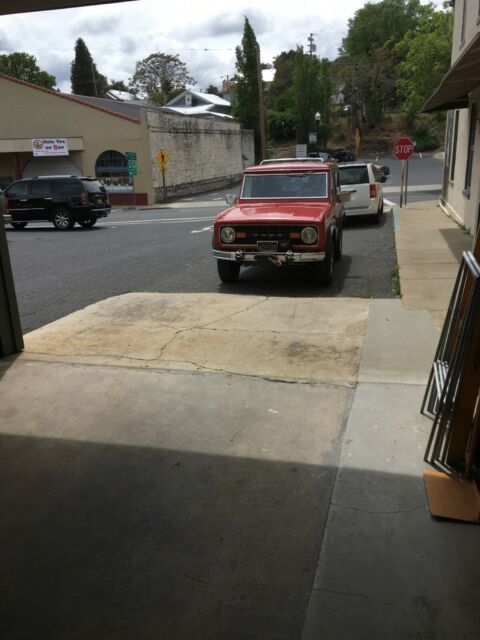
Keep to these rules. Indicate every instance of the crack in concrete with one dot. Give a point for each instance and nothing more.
(347, 507)
(199, 368)
(364, 595)
(203, 326)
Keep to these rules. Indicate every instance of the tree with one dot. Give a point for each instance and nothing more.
(213, 90)
(313, 92)
(24, 67)
(117, 85)
(426, 58)
(84, 75)
(246, 109)
(160, 77)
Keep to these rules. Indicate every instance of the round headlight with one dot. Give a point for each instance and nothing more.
(227, 235)
(309, 235)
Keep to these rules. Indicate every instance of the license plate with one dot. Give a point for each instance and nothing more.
(267, 245)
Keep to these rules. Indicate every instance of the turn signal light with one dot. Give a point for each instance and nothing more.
(294, 235)
(240, 234)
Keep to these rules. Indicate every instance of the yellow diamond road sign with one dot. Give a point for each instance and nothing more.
(162, 157)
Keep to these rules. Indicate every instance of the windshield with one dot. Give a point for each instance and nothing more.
(285, 185)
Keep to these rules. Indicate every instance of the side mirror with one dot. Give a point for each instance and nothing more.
(231, 198)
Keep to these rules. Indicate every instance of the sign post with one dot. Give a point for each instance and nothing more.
(402, 150)
(162, 159)
(131, 157)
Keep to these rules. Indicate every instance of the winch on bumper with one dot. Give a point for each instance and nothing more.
(278, 258)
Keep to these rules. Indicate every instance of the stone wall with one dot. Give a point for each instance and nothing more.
(203, 153)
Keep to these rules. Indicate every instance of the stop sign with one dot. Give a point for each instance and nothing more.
(403, 148)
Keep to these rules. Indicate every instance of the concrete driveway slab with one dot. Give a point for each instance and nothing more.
(289, 339)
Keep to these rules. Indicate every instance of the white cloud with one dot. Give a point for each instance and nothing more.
(204, 36)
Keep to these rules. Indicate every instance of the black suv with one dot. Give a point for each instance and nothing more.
(62, 200)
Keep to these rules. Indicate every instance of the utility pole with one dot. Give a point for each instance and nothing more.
(94, 80)
(312, 47)
(261, 107)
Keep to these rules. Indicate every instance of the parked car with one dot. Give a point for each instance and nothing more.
(4, 207)
(365, 186)
(286, 214)
(62, 200)
(342, 155)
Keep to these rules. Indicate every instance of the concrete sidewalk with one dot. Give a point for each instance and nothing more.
(386, 568)
(241, 467)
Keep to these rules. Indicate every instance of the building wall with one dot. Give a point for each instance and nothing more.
(203, 153)
(464, 206)
(27, 113)
(472, 26)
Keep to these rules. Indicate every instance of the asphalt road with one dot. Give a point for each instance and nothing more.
(169, 250)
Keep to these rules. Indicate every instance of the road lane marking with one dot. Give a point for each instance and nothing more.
(202, 230)
(158, 221)
(389, 203)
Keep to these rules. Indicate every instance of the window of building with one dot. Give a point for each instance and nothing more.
(111, 168)
(454, 148)
(471, 148)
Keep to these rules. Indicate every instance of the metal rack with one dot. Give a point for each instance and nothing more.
(452, 359)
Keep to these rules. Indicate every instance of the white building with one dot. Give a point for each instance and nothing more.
(459, 93)
(194, 103)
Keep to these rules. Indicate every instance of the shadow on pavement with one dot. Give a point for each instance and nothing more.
(105, 541)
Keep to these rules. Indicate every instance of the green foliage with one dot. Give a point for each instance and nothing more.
(118, 85)
(246, 109)
(24, 67)
(213, 90)
(84, 75)
(160, 77)
(382, 24)
(425, 140)
(312, 89)
(425, 55)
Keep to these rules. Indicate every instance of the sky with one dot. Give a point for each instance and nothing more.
(203, 34)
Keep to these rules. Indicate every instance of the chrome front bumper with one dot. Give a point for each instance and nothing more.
(277, 258)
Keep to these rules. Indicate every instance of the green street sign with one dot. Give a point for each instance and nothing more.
(130, 155)
(132, 168)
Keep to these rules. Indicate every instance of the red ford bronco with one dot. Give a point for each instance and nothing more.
(288, 214)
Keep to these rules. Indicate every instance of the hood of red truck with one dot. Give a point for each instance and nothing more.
(270, 212)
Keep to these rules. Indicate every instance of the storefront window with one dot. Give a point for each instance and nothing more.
(111, 169)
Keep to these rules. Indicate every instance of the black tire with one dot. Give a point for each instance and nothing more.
(86, 224)
(376, 216)
(228, 271)
(19, 225)
(337, 255)
(323, 271)
(63, 219)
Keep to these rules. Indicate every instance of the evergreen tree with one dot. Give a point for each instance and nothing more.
(84, 76)
(246, 100)
(118, 85)
(213, 90)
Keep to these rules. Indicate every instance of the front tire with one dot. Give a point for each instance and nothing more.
(87, 224)
(338, 246)
(63, 219)
(19, 225)
(323, 271)
(228, 271)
